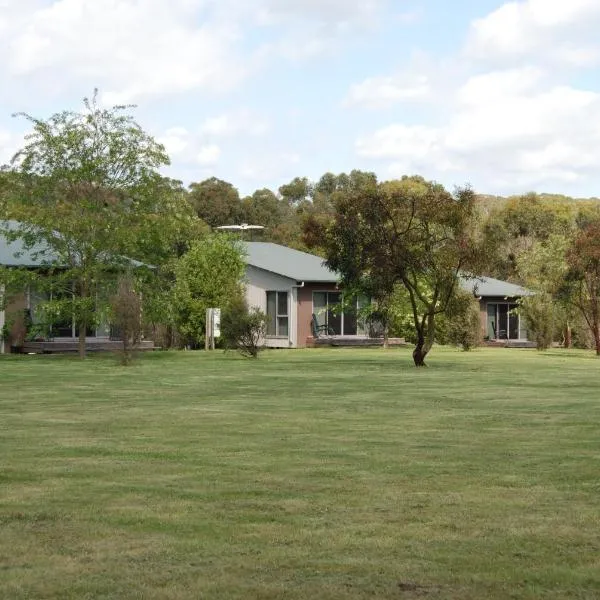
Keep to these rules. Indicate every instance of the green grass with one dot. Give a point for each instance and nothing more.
(307, 474)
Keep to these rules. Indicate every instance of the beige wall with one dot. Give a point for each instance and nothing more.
(258, 283)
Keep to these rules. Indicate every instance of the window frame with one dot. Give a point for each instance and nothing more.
(278, 315)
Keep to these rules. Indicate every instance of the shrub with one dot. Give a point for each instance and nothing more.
(461, 323)
(540, 312)
(243, 329)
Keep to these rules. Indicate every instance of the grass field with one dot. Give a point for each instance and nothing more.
(314, 474)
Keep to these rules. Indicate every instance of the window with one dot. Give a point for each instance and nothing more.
(341, 315)
(277, 314)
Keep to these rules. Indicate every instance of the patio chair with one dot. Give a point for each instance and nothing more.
(317, 329)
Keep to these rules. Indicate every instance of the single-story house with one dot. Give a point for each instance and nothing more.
(22, 306)
(498, 301)
(290, 287)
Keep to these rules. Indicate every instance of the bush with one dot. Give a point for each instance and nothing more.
(540, 312)
(461, 323)
(243, 329)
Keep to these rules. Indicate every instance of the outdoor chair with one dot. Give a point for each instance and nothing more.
(317, 329)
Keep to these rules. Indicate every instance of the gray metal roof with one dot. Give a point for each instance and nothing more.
(487, 286)
(288, 262)
(301, 266)
(14, 253)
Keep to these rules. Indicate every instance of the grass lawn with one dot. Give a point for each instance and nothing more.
(313, 474)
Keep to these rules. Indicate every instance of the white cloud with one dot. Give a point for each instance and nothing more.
(176, 140)
(242, 122)
(385, 91)
(10, 143)
(510, 127)
(543, 27)
(337, 12)
(208, 156)
(132, 49)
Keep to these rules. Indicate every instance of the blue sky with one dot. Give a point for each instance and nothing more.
(502, 95)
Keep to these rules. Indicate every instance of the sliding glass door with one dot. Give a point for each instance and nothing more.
(504, 323)
(340, 315)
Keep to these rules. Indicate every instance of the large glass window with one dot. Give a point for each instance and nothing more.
(341, 315)
(504, 322)
(277, 314)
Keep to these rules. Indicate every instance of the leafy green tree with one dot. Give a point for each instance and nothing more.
(410, 232)
(583, 277)
(209, 275)
(264, 208)
(517, 224)
(216, 202)
(297, 192)
(84, 182)
(543, 269)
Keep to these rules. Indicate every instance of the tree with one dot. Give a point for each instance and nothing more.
(126, 308)
(265, 208)
(583, 277)
(542, 268)
(216, 202)
(209, 275)
(410, 232)
(517, 224)
(297, 192)
(85, 180)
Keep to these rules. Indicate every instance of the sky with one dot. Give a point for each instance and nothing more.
(504, 96)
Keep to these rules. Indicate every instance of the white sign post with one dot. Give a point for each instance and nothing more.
(213, 327)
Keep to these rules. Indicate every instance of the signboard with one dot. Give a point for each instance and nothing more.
(216, 322)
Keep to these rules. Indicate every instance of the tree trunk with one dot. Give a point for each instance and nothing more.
(597, 337)
(419, 354)
(83, 317)
(82, 332)
(126, 348)
(386, 336)
(568, 336)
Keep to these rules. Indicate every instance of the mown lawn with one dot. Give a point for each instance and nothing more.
(314, 474)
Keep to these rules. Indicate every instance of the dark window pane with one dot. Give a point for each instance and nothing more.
(513, 323)
(334, 316)
(492, 321)
(350, 319)
(282, 329)
(271, 313)
(320, 307)
(503, 321)
(282, 303)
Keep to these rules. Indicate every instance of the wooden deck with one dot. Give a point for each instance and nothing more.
(509, 344)
(66, 347)
(351, 341)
